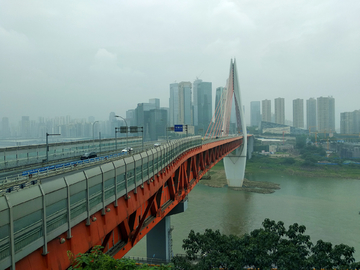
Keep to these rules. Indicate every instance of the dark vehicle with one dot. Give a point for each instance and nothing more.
(88, 155)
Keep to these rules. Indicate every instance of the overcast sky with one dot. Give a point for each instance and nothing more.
(88, 58)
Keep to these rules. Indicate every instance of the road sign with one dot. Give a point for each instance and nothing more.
(123, 129)
(178, 128)
(133, 129)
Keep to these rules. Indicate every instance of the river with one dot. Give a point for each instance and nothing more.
(328, 207)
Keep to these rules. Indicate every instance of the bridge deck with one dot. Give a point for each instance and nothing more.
(113, 205)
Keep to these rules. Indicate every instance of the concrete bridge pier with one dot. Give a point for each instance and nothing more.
(159, 239)
(234, 164)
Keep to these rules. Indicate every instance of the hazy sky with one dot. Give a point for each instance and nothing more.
(83, 58)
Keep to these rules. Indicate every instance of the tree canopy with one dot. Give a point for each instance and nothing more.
(272, 246)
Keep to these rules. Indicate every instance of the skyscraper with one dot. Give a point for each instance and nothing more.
(298, 113)
(280, 111)
(311, 114)
(202, 101)
(220, 103)
(266, 110)
(25, 126)
(185, 110)
(5, 131)
(156, 102)
(255, 116)
(174, 104)
(326, 114)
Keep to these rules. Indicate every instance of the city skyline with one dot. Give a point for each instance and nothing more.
(57, 59)
(60, 120)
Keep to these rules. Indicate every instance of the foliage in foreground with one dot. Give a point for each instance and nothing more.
(264, 248)
(96, 259)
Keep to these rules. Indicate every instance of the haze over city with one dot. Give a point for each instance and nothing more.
(87, 58)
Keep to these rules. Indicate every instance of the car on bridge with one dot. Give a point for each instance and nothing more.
(88, 155)
(127, 149)
(157, 144)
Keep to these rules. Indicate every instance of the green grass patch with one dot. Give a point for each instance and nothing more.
(299, 166)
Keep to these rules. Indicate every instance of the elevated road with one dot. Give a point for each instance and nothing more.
(113, 204)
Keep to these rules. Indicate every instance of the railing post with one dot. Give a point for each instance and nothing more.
(115, 185)
(87, 200)
(103, 192)
(45, 251)
(11, 236)
(68, 209)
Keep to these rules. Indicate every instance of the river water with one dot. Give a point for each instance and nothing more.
(328, 207)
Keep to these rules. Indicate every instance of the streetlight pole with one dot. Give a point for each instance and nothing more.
(126, 129)
(47, 145)
(117, 129)
(94, 130)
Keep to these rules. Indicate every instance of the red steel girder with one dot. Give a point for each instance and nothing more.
(137, 213)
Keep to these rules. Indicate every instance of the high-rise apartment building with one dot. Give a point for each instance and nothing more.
(346, 123)
(202, 102)
(311, 115)
(185, 108)
(255, 116)
(266, 110)
(298, 113)
(280, 111)
(350, 122)
(356, 124)
(326, 114)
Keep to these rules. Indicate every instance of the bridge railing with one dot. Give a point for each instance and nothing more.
(26, 155)
(32, 217)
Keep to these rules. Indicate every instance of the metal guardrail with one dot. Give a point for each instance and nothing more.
(32, 177)
(13, 157)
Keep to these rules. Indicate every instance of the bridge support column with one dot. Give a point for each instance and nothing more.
(234, 164)
(159, 240)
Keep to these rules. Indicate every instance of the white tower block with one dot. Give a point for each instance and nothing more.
(235, 162)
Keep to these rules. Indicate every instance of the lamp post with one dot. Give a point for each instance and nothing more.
(126, 129)
(93, 129)
(47, 145)
(117, 129)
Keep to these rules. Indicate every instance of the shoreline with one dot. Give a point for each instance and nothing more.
(216, 176)
(217, 179)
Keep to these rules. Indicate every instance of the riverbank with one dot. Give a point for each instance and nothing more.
(295, 166)
(216, 178)
(283, 166)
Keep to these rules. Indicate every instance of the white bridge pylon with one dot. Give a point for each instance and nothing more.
(235, 162)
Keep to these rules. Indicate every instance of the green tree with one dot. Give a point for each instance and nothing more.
(270, 246)
(300, 142)
(96, 259)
